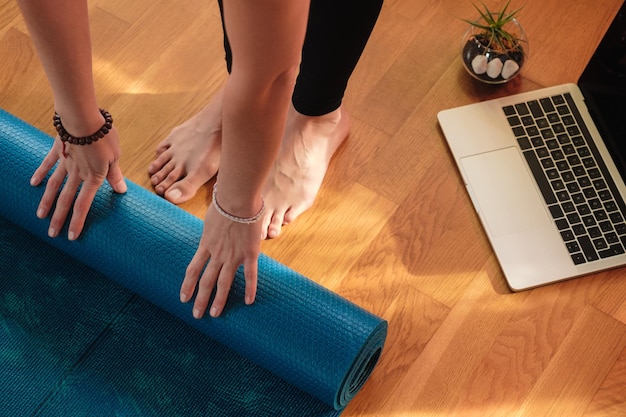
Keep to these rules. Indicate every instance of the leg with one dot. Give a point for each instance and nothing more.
(190, 155)
(337, 33)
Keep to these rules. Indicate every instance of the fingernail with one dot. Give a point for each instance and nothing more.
(52, 232)
(174, 194)
(71, 236)
(183, 297)
(213, 312)
(248, 300)
(34, 181)
(41, 213)
(196, 313)
(121, 187)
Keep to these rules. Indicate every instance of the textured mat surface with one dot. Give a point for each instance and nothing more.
(94, 327)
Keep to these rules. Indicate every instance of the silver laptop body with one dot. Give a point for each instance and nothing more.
(532, 182)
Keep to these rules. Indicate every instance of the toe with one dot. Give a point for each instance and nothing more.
(185, 188)
(181, 191)
(159, 163)
(275, 226)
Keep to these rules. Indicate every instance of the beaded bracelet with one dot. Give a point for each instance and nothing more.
(237, 219)
(85, 140)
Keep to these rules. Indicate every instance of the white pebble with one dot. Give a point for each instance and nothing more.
(494, 68)
(510, 69)
(479, 64)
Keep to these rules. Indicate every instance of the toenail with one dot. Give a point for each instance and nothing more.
(174, 194)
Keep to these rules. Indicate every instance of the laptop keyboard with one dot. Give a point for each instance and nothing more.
(575, 184)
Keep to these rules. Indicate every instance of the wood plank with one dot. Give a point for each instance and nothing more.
(580, 365)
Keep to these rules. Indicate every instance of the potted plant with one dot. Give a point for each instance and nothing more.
(495, 46)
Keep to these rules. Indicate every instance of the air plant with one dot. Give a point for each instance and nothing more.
(492, 26)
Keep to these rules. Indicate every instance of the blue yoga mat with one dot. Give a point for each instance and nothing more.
(94, 327)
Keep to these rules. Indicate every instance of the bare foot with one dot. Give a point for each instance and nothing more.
(297, 174)
(190, 155)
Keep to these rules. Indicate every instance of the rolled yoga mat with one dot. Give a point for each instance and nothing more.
(95, 328)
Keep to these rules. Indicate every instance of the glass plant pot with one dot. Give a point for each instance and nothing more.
(490, 61)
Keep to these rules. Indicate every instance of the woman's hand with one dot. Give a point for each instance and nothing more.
(228, 244)
(88, 165)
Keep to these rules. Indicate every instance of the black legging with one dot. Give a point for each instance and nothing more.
(336, 34)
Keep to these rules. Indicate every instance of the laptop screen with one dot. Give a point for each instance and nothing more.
(603, 84)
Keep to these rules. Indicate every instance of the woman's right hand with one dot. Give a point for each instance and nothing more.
(224, 246)
(83, 166)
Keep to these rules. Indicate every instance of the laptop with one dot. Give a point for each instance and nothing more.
(546, 170)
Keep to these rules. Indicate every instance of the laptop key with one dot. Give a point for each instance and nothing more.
(558, 185)
(611, 238)
(579, 230)
(610, 206)
(562, 224)
(563, 110)
(613, 250)
(524, 143)
(578, 258)
(547, 133)
(522, 109)
(552, 174)
(600, 215)
(600, 244)
(535, 108)
(553, 118)
(594, 173)
(509, 110)
(556, 211)
(558, 128)
(519, 131)
(543, 123)
(567, 235)
(514, 121)
(547, 105)
(595, 232)
(568, 207)
(572, 247)
(616, 217)
(588, 249)
(568, 176)
(542, 181)
(606, 226)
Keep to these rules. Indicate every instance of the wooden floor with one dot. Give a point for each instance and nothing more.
(393, 229)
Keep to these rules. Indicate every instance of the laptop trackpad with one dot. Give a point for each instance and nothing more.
(504, 192)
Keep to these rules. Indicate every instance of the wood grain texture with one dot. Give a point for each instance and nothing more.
(392, 229)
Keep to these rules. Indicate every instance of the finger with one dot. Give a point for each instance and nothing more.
(46, 165)
(192, 274)
(224, 283)
(64, 203)
(81, 208)
(50, 193)
(250, 270)
(116, 178)
(205, 288)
